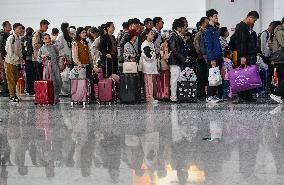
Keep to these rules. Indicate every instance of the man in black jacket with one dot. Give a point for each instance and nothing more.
(246, 48)
(3, 38)
(176, 59)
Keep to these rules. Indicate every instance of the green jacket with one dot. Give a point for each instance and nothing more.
(278, 39)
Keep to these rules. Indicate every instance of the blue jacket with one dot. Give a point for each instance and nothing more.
(211, 40)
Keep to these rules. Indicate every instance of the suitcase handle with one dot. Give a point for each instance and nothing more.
(48, 69)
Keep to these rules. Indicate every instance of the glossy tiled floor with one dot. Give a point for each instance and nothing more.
(186, 144)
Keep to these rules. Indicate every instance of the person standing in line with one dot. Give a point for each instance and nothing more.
(246, 48)
(13, 58)
(176, 59)
(108, 49)
(148, 64)
(202, 76)
(214, 53)
(3, 38)
(37, 42)
(278, 45)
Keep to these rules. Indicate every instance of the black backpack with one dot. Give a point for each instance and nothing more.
(29, 46)
(259, 41)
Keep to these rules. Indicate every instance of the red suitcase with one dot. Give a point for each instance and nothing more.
(161, 85)
(107, 91)
(44, 90)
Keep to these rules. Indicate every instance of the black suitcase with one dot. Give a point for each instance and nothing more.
(187, 91)
(130, 88)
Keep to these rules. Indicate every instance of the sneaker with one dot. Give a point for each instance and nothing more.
(173, 99)
(16, 98)
(212, 100)
(155, 102)
(276, 98)
(13, 99)
(30, 94)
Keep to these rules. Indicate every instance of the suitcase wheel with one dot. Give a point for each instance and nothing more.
(84, 105)
(72, 104)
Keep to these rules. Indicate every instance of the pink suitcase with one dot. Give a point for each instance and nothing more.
(107, 91)
(80, 91)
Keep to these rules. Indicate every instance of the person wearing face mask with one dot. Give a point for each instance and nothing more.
(246, 48)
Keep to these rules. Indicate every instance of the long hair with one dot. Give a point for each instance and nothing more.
(78, 38)
(64, 29)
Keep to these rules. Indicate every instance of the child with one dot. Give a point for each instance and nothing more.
(13, 58)
(49, 52)
(148, 64)
(226, 67)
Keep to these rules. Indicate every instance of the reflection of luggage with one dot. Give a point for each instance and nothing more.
(44, 90)
(130, 91)
(80, 91)
(187, 91)
(162, 86)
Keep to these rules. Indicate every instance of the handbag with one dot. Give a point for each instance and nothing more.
(214, 78)
(130, 67)
(243, 79)
(78, 72)
(277, 56)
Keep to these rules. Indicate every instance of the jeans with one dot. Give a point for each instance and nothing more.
(226, 88)
(175, 73)
(89, 75)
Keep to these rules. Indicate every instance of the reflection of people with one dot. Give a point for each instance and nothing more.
(3, 175)
(111, 152)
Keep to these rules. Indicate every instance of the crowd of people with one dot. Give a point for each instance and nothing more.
(96, 48)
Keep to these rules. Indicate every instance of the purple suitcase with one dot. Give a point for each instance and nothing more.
(80, 91)
(243, 79)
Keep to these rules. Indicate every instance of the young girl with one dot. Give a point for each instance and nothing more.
(49, 52)
(148, 64)
(226, 67)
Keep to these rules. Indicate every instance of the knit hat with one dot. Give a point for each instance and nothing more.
(132, 33)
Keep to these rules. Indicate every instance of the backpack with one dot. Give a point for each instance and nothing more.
(259, 41)
(3, 39)
(29, 46)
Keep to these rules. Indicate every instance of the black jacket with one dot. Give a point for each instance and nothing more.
(3, 39)
(106, 47)
(176, 47)
(245, 41)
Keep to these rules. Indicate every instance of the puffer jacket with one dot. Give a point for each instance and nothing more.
(278, 39)
(176, 45)
(211, 40)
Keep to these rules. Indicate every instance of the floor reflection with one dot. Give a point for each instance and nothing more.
(142, 145)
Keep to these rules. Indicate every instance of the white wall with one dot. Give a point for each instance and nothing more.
(278, 9)
(96, 12)
(266, 13)
(231, 13)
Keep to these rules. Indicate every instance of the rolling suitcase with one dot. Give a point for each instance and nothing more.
(161, 85)
(107, 92)
(130, 88)
(80, 91)
(187, 91)
(44, 90)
